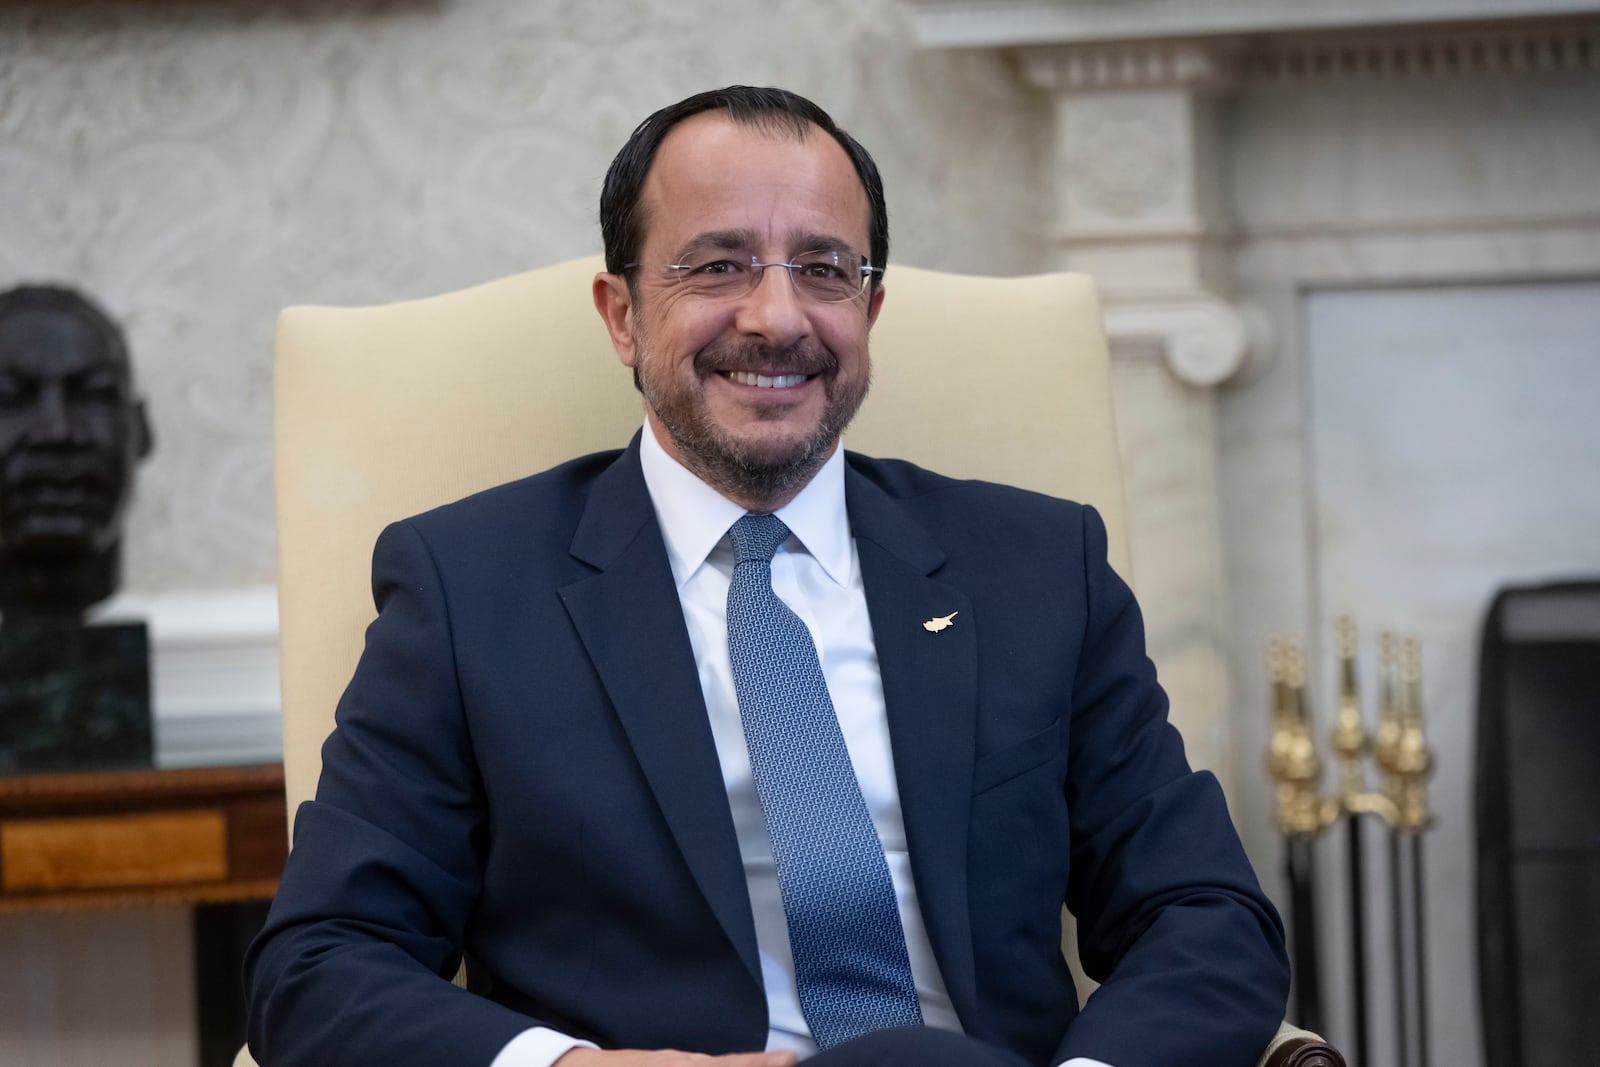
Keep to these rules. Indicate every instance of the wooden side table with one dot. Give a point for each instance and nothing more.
(214, 837)
(204, 835)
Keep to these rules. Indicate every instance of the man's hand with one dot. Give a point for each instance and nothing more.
(632, 1057)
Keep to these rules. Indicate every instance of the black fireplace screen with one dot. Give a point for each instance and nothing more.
(1539, 826)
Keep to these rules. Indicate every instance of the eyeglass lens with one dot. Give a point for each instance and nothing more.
(821, 275)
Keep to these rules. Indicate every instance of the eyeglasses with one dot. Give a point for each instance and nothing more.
(823, 275)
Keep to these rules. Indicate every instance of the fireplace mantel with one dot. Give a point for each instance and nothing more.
(1014, 23)
(1136, 183)
(1225, 169)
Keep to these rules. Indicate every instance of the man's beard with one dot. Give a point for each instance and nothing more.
(751, 471)
(59, 503)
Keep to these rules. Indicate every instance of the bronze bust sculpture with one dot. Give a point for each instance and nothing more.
(72, 697)
(71, 433)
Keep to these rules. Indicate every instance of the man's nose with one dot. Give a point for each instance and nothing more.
(52, 420)
(774, 309)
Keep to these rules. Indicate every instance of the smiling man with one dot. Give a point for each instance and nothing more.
(656, 743)
(747, 383)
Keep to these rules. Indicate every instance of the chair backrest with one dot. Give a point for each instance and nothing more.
(386, 411)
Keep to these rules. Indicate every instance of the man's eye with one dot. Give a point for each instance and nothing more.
(13, 390)
(823, 272)
(717, 267)
(98, 387)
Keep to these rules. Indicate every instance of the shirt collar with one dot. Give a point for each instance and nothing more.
(695, 518)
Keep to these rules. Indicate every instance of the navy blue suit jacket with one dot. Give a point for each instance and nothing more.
(523, 774)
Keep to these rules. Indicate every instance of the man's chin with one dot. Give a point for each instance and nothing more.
(57, 536)
(769, 453)
(763, 471)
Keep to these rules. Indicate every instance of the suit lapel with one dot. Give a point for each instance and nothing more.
(631, 623)
(930, 690)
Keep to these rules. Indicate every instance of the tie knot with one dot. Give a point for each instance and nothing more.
(756, 537)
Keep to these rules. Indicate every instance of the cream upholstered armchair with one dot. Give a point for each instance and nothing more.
(384, 412)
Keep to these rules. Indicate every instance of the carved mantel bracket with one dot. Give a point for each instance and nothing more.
(1204, 341)
(1137, 195)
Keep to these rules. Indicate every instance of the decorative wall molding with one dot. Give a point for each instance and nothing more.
(1137, 197)
(1134, 165)
(1130, 65)
(1487, 52)
(1226, 62)
(1407, 257)
(1126, 164)
(1013, 23)
(1204, 342)
(1138, 191)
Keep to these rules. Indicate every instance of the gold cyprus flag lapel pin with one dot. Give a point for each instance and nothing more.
(934, 625)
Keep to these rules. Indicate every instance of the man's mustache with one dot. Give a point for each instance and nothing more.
(752, 357)
(27, 470)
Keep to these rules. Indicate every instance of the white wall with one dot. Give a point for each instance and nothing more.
(200, 166)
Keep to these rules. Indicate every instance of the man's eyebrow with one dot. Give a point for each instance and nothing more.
(722, 240)
(819, 242)
(745, 240)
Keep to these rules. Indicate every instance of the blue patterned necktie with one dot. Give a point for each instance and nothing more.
(850, 958)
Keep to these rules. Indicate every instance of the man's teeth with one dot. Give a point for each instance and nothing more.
(762, 381)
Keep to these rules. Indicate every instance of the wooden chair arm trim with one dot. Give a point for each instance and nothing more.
(1304, 1052)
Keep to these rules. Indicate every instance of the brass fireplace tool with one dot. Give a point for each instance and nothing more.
(1404, 762)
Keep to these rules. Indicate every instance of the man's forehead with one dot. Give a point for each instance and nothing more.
(773, 182)
(51, 338)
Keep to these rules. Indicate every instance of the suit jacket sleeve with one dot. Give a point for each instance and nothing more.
(1170, 917)
(354, 964)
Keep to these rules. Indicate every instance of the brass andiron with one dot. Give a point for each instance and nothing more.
(1404, 762)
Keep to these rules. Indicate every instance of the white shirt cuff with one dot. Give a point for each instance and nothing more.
(540, 1047)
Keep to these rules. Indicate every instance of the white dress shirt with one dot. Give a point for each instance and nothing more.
(817, 574)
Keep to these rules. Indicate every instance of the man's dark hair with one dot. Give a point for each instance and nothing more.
(70, 302)
(622, 215)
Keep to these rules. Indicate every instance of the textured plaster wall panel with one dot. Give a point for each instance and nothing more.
(198, 167)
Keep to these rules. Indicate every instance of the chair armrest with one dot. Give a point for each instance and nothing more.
(1293, 1047)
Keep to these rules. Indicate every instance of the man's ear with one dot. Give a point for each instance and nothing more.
(139, 425)
(615, 304)
(874, 304)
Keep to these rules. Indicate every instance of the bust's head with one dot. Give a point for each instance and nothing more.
(71, 429)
